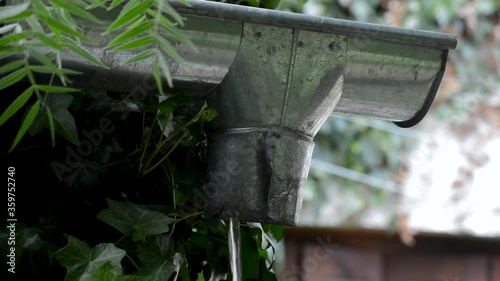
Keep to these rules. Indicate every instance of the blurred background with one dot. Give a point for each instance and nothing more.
(441, 175)
(409, 197)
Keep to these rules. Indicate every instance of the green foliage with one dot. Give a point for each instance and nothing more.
(134, 220)
(122, 195)
(17, 104)
(30, 117)
(146, 25)
(84, 263)
(56, 117)
(104, 202)
(159, 260)
(54, 24)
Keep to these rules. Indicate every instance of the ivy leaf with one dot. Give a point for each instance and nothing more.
(84, 263)
(86, 173)
(168, 105)
(107, 273)
(135, 278)
(28, 239)
(158, 260)
(134, 220)
(183, 270)
(200, 240)
(104, 152)
(63, 122)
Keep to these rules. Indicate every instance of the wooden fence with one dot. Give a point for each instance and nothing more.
(354, 255)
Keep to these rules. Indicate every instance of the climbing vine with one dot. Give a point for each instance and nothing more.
(109, 184)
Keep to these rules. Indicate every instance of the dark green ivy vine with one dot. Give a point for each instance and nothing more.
(109, 186)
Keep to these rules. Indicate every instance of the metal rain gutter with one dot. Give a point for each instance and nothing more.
(274, 78)
(290, 73)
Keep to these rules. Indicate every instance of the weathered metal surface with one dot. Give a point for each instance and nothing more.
(349, 28)
(282, 86)
(257, 174)
(274, 78)
(387, 80)
(217, 43)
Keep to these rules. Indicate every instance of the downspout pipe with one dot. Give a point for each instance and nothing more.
(274, 78)
(290, 73)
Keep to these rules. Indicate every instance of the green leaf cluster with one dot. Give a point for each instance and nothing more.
(155, 254)
(84, 263)
(36, 33)
(123, 188)
(28, 27)
(149, 27)
(130, 202)
(133, 220)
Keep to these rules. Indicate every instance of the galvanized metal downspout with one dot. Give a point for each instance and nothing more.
(274, 78)
(282, 86)
(287, 78)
